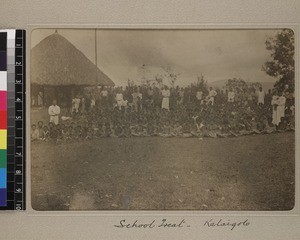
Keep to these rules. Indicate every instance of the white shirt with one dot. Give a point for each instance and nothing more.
(104, 93)
(54, 110)
(231, 96)
(76, 101)
(212, 93)
(281, 101)
(136, 95)
(261, 96)
(199, 95)
(119, 97)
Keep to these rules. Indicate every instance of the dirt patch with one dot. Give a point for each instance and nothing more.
(243, 173)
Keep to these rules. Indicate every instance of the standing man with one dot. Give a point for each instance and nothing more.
(211, 96)
(137, 97)
(180, 96)
(54, 112)
(150, 97)
(104, 97)
(93, 101)
(199, 97)
(75, 104)
(274, 104)
(281, 107)
(166, 98)
(278, 103)
(268, 98)
(120, 99)
(230, 96)
(260, 96)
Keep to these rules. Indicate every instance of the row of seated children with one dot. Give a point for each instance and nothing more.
(162, 124)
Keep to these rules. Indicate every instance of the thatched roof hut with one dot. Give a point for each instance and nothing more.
(57, 62)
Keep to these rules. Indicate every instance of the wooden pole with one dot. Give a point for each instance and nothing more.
(96, 53)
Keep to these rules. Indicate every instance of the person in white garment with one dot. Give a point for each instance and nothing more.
(120, 99)
(180, 96)
(274, 103)
(281, 107)
(137, 97)
(278, 103)
(166, 98)
(230, 96)
(54, 111)
(260, 96)
(211, 96)
(93, 101)
(199, 97)
(75, 104)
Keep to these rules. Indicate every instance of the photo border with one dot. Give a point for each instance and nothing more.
(172, 213)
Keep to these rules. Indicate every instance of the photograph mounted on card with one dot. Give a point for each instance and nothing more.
(161, 119)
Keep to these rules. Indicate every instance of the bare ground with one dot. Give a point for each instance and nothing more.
(244, 173)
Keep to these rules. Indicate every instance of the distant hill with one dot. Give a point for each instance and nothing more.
(218, 84)
(221, 83)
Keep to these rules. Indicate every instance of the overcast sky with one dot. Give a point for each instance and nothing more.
(216, 54)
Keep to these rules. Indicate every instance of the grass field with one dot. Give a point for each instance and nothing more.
(243, 173)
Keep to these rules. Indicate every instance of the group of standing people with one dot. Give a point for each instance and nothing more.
(136, 98)
(171, 112)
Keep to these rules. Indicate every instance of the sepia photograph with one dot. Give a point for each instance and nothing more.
(161, 119)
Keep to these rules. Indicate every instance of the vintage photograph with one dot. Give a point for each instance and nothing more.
(158, 119)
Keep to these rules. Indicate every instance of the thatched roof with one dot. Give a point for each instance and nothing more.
(56, 62)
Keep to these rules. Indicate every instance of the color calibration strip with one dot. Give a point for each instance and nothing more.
(12, 130)
(3, 119)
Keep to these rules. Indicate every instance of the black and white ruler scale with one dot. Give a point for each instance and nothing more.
(15, 77)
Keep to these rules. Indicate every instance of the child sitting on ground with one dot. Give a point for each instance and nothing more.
(111, 130)
(77, 132)
(34, 133)
(40, 129)
(186, 130)
(104, 130)
(53, 135)
(46, 133)
(118, 130)
(225, 131)
(269, 127)
(59, 132)
(196, 128)
(166, 130)
(254, 125)
(69, 133)
(126, 130)
(177, 130)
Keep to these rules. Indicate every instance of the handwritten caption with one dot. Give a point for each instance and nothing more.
(182, 223)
